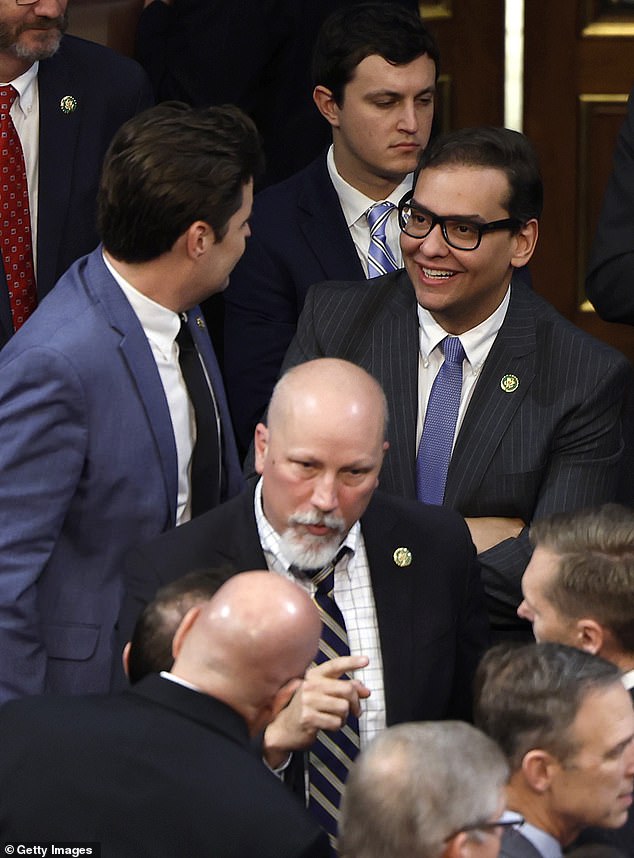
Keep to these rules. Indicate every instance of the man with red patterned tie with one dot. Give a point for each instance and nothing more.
(61, 101)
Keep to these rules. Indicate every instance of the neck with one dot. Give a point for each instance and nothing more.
(373, 186)
(156, 279)
(534, 808)
(12, 66)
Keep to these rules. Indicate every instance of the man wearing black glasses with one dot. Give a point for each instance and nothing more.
(499, 407)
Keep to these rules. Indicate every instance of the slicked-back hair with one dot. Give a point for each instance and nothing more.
(595, 572)
(416, 785)
(151, 642)
(353, 33)
(527, 697)
(169, 167)
(499, 148)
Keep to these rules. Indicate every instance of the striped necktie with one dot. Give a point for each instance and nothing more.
(332, 753)
(436, 442)
(380, 257)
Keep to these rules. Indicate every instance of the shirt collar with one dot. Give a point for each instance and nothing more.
(160, 324)
(476, 342)
(628, 679)
(25, 86)
(270, 539)
(353, 203)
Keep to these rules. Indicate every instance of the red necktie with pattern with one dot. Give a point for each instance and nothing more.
(15, 220)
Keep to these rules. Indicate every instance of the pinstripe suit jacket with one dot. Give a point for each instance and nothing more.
(553, 444)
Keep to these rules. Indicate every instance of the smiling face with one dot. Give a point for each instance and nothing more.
(30, 33)
(319, 459)
(462, 288)
(383, 122)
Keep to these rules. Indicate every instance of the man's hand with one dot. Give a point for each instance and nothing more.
(322, 702)
(490, 530)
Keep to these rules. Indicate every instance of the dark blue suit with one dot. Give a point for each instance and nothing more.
(108, 90)
(299, 237)
(87, 469)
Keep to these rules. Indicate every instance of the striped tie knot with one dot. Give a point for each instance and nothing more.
(380, 258)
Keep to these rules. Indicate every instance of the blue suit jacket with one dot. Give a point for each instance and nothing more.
(108, 89)
(555, 443)
(299, 237)
(87, 469)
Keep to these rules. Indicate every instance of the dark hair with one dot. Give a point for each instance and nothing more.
(500, 148)
(169, 167)
(528, 696)
(595, 572)
(151, 642)
(353, 33)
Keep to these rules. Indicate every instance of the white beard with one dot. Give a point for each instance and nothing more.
(307, 550)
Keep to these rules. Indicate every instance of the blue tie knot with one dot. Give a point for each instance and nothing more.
(453, 350)
(377, 217)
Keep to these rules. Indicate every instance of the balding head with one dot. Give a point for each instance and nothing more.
(250, 644)
(320, 455)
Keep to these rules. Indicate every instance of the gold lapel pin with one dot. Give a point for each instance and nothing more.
(200, 321)
(509, 383)
(402, 557)
(68, 104)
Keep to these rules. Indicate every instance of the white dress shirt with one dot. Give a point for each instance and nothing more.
(477, 344)
(355, 206)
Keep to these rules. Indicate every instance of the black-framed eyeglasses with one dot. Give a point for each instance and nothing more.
(509, 820)
(459, 233)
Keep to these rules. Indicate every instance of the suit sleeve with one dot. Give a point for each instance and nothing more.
(260, 320)
(43, 442)
(585, 459)
(610, 281)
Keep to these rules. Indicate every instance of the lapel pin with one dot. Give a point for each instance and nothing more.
(402, 557)
(200, 321)
(509, 383)
(68, 104)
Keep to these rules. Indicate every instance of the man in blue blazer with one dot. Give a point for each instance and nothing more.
(84, 93)
(538, 422)
(375, 70)
(101, 428)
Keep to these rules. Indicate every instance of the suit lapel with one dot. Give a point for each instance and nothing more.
(492, 407)
(138, 357)
(393, 589)
(59, 132)
(233, 481)
(324, 227)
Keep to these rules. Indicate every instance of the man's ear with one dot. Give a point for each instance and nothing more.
(260, 446)
(525, 243)
(184, 626)
(460, 846)
(537, 767)
(198, 238)
(326, 105)
(590, 636)
(125, 658)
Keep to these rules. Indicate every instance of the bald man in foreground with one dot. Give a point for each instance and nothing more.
(166, 769)
(405, 578)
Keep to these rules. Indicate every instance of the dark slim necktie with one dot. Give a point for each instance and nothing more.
(332, 753)
(380, 257)
(15, 220)
(436, 443)
(205, 467)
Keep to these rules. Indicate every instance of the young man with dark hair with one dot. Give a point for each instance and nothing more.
(113, 420)
(499, 407)
(375, 71)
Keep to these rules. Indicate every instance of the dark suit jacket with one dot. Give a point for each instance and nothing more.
(87, 469)
(611, 271)
(108, 89)
(515, 845)
(299, 237)
(432, 623)
(553, 444)
(159, 770)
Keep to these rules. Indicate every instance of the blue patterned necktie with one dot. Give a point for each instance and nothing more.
(436, 443)
(380, 257)
(332, 754)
